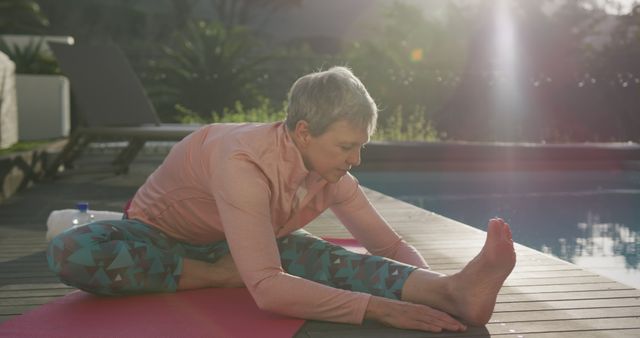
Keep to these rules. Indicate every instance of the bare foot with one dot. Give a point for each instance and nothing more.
(476, 287)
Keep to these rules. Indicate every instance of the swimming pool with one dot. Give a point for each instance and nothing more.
(590, 218)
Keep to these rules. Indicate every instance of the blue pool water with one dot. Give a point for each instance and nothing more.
(590, 218)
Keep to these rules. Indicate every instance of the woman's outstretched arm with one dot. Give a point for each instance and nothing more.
(367, 226)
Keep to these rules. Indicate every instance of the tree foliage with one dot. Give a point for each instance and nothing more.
(207, 68)
(242, 12)
(22, 16)
(411, 64)
(618, 63)
(187, 56)
(568, 82)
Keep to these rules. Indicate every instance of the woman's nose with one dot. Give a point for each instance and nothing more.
(354, 158)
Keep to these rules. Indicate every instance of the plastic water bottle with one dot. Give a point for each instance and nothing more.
(82, 215)
(61, 220)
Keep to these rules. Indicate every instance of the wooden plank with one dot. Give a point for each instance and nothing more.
(556, 267)
(557, 281)
(15, 310)
(529, 260)
(25, 274)
(29, 263)
(564, 288)
(471, 252)
(4, 259)
(34, 293)
(22, 301)
(528, 275)
(610, 333)
(29, 280)
(443, 264)
(551, 296)
(457, 264)
(26, 251)
(611, 312)
(517, 275)
(34, 286)
(525, 328)
(567, 304)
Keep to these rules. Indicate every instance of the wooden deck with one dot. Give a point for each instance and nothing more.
(543, 297)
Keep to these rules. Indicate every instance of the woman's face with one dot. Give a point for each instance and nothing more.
(334, 152)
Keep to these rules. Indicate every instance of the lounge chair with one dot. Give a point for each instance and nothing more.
(110, 103)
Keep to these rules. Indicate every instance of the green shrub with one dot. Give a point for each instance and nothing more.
(263, 112)
(206, 68)
(406, 126)
(30, 59)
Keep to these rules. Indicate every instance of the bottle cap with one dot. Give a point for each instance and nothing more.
(82, 206)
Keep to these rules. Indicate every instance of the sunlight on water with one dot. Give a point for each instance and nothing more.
(610, 249)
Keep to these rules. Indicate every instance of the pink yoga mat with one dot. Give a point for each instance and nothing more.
(198, 313)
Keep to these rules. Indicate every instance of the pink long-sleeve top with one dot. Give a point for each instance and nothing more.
(247, 184)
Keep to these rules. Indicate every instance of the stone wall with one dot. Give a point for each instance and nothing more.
(8, 103)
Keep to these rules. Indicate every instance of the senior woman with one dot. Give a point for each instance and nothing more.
(226, 208)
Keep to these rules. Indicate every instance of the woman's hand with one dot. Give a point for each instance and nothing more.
(405, 315)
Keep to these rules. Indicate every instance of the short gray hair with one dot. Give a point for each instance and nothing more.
(325, 97)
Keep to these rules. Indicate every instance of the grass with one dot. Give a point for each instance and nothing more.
(23, 146)
(401, 125)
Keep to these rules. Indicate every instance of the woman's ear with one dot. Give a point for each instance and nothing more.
(302, 133)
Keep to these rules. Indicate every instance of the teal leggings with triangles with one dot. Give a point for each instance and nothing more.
(129, 257)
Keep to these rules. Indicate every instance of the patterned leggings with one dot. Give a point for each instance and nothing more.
(129, 257)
